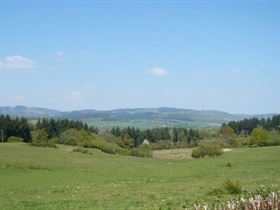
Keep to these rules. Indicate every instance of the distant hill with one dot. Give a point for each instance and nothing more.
(139, 117)
(24, 111)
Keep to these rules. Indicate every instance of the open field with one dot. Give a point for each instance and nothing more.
(177, 154)
(173, 154)
(47, 178)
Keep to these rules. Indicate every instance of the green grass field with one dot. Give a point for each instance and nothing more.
(46, 178)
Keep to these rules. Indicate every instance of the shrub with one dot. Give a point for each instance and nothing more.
(113, 148)
(144, 151)
(274, 138)
(141, 152)
(40, 139)
(43, 144)
(103, 145)
(126, 142)
(109, 137)
(227, 132)
(207, 148)
(54, 140)
(233, 187)
(15, 139)
(39, 136)
(197, 153)
(72, 137)
(162, 144)
(259, 137)
(229, 165)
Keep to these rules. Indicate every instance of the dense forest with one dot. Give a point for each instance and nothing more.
(20, 127)
(246, 126)
(178, 136)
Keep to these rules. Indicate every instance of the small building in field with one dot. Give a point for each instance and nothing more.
(146, 142)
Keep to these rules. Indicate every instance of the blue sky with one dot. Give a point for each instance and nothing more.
(212, 55)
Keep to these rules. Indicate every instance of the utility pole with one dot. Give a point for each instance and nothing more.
(2, 136)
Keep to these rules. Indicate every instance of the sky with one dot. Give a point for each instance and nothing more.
(206, 55)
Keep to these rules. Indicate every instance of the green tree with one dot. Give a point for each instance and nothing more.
(39, 136)
(126, 141)
(72, 137)
(259, 137)
(227, 132)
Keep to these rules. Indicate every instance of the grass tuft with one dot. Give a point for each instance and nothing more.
(233, 187)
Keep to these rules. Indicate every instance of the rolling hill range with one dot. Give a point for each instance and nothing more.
(139, 117)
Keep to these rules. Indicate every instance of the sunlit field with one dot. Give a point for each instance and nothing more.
(58, 178)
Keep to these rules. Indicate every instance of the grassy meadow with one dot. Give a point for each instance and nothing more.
(59, 178)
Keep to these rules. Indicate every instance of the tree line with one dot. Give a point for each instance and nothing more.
(55, 127)
(246, 126)
(177, 136)
(22, 128)
(18, 127)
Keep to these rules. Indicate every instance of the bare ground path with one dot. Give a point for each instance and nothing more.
(177, 154)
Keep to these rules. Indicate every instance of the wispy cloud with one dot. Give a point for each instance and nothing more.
(75, 96)
(17, 62)
(158, 72)
(60, 55)
(19, 97)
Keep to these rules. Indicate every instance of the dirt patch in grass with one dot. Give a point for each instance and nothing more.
(173, 154)
(227, 149)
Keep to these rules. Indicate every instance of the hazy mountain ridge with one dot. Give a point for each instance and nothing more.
(24, 111)
(139, 117)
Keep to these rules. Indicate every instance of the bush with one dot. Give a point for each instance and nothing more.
(162, 144)
(54, 140)
(114, 148)
(144, 151)
(207, 148)
(227, 132)
(259, 137)
(274, 138)
(103, 145)
(13, 139)
(40, 139)
(39, 136)
(197, 153)
(43, 144)
(233, 187)
(73, 137)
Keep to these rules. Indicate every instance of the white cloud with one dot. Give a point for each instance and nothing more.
(17, 62)
(158, 72)
(75, 96)
(20, 97)
(60, 55)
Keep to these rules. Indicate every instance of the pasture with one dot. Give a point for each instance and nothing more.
(59, 178)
